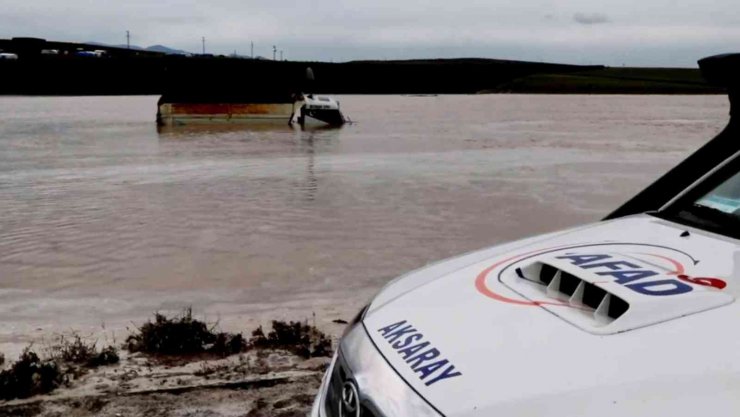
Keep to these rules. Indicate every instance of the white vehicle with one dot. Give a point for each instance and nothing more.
(632, 316)
(321, 108)
(8, 56)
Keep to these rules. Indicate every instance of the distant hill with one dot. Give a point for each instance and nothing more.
(166, 50)
(154, 48)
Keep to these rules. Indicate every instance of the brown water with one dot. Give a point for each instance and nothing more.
(105, 219)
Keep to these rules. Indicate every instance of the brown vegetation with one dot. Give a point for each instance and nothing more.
(68, 358)
(299, 338)
(183, 335)
(179, 338)
(75, 351)
(30, 376)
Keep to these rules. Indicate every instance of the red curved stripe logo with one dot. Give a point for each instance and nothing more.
(678, 270)
(707, 282)
(480, 284)
(681, 274)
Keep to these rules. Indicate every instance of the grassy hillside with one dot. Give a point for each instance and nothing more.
(612, 81)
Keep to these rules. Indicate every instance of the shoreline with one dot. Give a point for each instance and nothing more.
(112, 317)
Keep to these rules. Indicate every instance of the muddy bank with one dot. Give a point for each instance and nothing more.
(143, 390)
(175, 365)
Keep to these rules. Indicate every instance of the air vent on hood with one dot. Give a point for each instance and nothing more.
(577, 292)
(592, 298)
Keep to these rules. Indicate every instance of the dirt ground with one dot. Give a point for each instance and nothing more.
(258, 383)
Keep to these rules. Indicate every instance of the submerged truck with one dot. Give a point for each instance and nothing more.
(630, 316)
(267, 98)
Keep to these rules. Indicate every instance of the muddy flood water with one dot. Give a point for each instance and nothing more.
(105, 219)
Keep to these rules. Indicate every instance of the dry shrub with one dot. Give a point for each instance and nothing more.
(77, 352)
(183, 335)
(107, 356)
(296, 337)
(29, 376)
(68, 358)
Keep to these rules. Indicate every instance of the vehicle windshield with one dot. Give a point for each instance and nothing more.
(725, 198)
(713, 205)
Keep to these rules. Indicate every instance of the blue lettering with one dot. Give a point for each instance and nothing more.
(614, 265)
(387, 329)
(409, 340)
(624, 277)
(449, 372)
(413, 350)
(648, 288)
(427, 370)
(626, 273)
(579, 260)
(395, 335)
(423, 357)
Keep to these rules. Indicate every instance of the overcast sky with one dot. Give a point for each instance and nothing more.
(611, 32)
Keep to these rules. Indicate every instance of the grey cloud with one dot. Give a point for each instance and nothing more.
(180, 20)
(637, 33)
(591, 18)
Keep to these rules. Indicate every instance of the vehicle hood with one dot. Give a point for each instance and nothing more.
(625, 317)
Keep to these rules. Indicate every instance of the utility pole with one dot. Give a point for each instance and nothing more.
(204, 45)
(252, 49)
(281, 54)
(128, 40)
(274, 52)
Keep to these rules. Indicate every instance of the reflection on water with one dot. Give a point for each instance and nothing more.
(267, 128)
(303, 137)
(95, 198)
